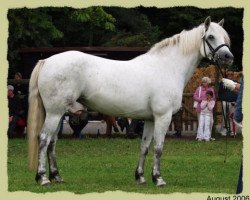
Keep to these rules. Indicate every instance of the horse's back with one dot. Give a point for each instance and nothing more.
(106, 85)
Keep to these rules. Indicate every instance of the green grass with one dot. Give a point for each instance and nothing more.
(99, 165)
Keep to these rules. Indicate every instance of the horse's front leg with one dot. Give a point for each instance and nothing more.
(160, 128)
(146, 140)
(53, 170)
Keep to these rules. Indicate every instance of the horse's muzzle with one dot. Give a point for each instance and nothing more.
(224, 57)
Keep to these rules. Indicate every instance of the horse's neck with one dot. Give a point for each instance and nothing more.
(193, 61)
(182, 66)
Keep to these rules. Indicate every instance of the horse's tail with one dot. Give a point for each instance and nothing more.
(36, 116)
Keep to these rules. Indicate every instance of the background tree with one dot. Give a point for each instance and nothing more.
(173, 20)
(133, 29)
(94, 18)
(29, 28)
(112, 26)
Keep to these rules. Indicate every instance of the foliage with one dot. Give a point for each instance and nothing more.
(112, 26)
(136, 32)
(173, 20)
(99, 165)
(94, 18)
(29, 28)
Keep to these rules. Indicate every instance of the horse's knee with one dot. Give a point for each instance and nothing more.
(144, 151)
(158, 151)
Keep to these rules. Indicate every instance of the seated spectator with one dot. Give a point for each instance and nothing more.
(133, 126)
(20, 89)
(111, 122)
(78, 119)
(177, 120)
(14, 111)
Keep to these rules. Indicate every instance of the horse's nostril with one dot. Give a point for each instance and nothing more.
(229, 56)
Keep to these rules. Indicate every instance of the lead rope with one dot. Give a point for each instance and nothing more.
(225, 115)
(213, 51)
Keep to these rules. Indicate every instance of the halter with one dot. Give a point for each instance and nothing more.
(213, 51)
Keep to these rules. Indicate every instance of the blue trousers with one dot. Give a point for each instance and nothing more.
(238, 116)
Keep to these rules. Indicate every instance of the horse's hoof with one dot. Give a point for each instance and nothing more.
(141, 180)
(58, 179)
(160, 182)
(45, 182)
(42, 179)
(139, 177)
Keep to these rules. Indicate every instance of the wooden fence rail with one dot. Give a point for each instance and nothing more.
(189, 115)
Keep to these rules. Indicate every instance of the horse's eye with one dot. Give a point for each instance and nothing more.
(210, 37)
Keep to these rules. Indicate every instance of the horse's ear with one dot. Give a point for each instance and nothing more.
(207, 22)
(221, 22)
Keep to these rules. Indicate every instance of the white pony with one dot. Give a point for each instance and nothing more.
(148, 87)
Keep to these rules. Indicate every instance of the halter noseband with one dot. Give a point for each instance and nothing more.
(213, 51)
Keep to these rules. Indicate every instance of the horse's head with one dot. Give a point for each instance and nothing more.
(216, 42)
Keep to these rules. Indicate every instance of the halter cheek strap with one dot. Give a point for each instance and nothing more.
(213, 51)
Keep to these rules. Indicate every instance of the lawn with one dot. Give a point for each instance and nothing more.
(101, 164)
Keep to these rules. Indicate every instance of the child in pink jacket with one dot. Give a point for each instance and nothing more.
(206, 117)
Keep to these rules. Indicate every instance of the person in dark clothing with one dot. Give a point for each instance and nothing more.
(123, 123)
(177, 120)
(133, 126)
(14, 111)
(20, 89)
(228, 99)
(238, 117)
(77, 122)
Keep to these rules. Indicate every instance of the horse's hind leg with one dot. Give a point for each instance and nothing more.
(53, 170)
(51, 125)
(146, 140)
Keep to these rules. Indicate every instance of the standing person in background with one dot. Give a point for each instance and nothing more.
(228, 99)
(206, 117)
(238, 117)
(200, 94)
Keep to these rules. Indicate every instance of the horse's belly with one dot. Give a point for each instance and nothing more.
(121, 108)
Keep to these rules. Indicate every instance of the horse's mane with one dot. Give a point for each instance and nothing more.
(188, 41)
